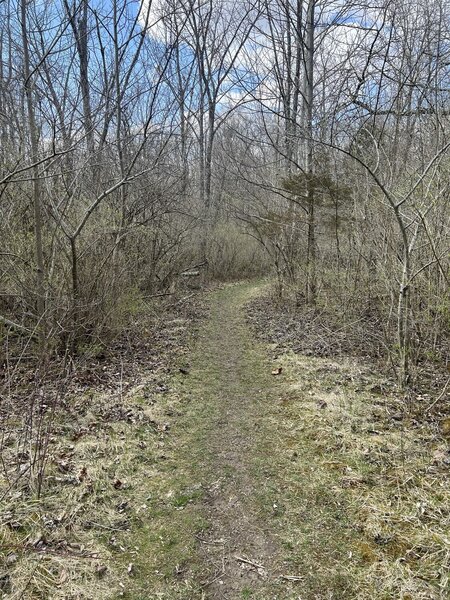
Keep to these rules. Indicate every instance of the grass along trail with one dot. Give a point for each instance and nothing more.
(215, 540)
(260, 491)
(221, 528)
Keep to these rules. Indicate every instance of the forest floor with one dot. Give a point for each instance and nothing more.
(241, 481)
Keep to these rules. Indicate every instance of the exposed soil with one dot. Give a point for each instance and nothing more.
(239, 549)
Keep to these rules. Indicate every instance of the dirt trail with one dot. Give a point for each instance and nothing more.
(215, 480)
(238, 382)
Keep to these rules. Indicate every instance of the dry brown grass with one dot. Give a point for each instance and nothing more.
(388, 470)
(63, 544)
(352, 486)
(106, 438)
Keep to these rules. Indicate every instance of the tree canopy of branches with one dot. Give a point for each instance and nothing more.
(137, 138)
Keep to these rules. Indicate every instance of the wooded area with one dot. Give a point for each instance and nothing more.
(149, 148)
(139, 141)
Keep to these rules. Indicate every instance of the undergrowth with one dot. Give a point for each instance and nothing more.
(357, 466)
(105, 443)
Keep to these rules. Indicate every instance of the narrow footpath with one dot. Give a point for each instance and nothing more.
(239, 505)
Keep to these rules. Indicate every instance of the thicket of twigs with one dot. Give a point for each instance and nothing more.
(149, 148)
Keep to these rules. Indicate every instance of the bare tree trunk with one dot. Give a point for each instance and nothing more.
(311, 285)
(403, 327)
(75, 294)
(404, 304)
(80, 32)
(297, 73)
(201, 139)
(209, 156)
(183, 123)
(288, 92)
(37, 194)
(119, 140)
